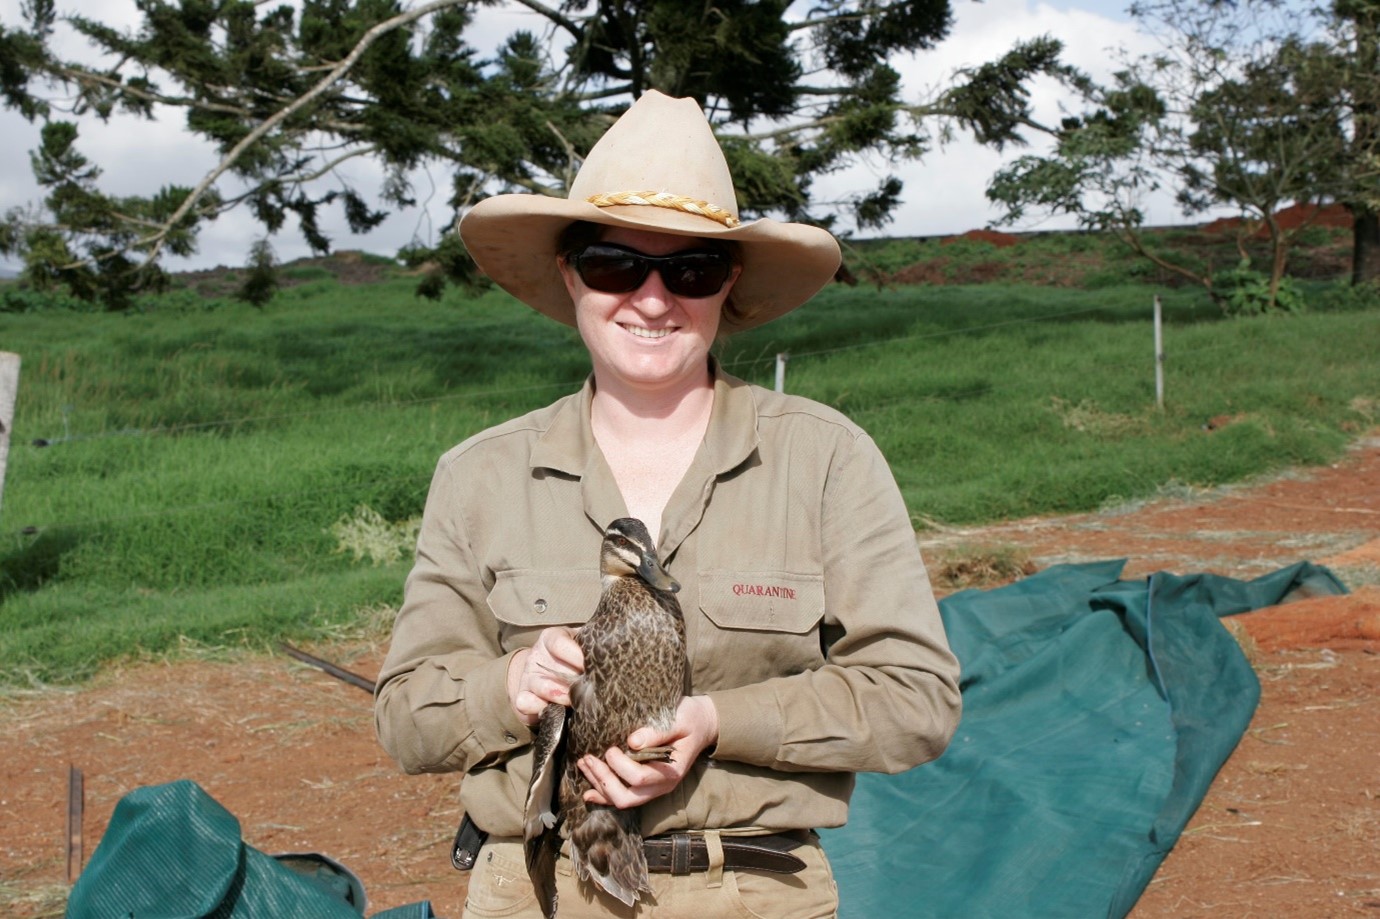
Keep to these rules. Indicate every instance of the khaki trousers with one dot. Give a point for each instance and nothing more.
(499, 886)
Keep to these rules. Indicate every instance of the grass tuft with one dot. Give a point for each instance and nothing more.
(366, 534)
(964, 566)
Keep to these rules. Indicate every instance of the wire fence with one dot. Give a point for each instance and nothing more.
(737, 366)
(166, 429)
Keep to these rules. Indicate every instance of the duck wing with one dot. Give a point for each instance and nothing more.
(540, 831)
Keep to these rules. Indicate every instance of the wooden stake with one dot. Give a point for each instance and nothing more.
(340, 673)
(76, 807)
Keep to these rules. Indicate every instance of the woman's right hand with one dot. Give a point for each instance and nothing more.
(542, 674)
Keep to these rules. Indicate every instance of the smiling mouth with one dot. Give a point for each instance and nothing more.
(648, 333)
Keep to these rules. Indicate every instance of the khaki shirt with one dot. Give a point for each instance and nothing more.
(808, 614)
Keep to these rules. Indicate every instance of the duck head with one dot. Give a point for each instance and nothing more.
(628, 551)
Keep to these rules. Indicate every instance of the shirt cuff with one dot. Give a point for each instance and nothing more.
(750, 725)
(497, 731)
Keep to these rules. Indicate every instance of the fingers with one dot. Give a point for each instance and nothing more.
(606, 790)
(546, 686)
(557, 652)
(620, 781)
(529, 706)
(543, 673)
(642, 775)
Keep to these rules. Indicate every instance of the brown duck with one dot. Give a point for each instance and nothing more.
(635, 675)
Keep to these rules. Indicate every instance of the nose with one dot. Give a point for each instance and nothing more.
(652, 298)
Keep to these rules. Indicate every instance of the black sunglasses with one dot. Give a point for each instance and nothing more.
(617, 269)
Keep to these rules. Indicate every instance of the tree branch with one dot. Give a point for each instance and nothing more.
(155, 242)
(555, 17)
(328, 167)
(79, 76)
(1131, 238)
(843, 17)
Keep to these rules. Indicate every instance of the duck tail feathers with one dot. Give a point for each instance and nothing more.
(607, 849)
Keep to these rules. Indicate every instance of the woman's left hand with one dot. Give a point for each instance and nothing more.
(621, 781)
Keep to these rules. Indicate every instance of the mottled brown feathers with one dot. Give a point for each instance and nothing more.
(635, 675)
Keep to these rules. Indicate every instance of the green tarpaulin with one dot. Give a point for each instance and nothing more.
(174, 852)
(1096, 712)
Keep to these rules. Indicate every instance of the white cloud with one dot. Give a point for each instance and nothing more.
(140, 156)
(944, 193)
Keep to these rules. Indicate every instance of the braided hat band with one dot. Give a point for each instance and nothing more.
(667, 200)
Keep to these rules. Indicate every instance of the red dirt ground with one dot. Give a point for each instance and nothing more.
(1290, 218)
(1291, 826)
(995, 237)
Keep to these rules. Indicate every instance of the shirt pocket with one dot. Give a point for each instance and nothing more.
(527, 600)
(761, 624)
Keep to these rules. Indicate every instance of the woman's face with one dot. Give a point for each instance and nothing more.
(648, 338)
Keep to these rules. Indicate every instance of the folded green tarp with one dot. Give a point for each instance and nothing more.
(1096, 712)
(174, 852)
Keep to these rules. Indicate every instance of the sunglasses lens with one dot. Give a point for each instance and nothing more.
(696, 274)
(611, 271)
(615, 270)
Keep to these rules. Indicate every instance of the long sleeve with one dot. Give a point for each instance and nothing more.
(886, 697)
(441, 703)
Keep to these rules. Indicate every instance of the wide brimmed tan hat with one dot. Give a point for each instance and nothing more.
(658, 168)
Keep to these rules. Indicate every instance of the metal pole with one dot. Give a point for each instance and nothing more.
(1159, 355)
(781, 358)
(9, 390)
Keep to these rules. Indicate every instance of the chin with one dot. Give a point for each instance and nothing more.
(658, 370)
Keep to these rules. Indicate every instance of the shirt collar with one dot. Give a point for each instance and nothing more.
(567, 445)
(732, 436)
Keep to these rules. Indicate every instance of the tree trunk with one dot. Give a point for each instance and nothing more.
(1279, 259)
(1365, 246)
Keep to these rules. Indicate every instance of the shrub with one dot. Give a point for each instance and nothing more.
(15, 298)
(1243, 291)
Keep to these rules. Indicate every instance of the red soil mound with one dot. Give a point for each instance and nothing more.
(996, 238)
(1351, 621)
(1290, 218)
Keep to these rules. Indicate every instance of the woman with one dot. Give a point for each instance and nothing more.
(815, 645)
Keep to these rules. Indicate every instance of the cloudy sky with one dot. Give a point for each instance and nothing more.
(944, 193)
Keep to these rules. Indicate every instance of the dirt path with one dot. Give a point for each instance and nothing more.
(1291, 827)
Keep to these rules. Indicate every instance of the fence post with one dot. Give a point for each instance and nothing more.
(781, 358)
(9, 389)
(1159, 356)
(76, 811)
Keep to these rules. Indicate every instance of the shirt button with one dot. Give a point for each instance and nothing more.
(508, 736)
(539, 606)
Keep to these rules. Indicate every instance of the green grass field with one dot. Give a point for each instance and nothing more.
(217, 476)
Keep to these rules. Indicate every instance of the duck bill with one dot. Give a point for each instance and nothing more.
(651, 571)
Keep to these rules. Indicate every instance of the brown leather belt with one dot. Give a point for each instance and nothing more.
(687, 853)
